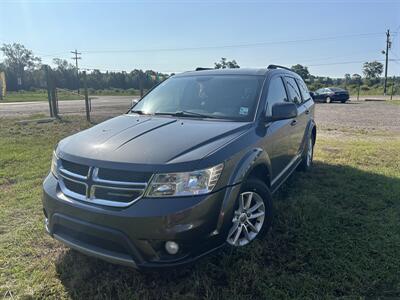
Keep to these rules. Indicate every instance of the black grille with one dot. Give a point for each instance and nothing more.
(78, 188)
(122, 175)
(75, 168)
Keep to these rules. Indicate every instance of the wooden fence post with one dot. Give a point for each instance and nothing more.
(391, 93)
(54, 98)
(141, 79)
(46, 68)
(86, 97)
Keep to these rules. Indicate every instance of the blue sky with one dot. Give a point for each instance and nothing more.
(118, 29)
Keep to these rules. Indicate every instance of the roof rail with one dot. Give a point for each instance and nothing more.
(278, 67)
(203, 69)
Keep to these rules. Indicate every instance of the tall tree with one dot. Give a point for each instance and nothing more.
(302, 71)
(356, 78)
(226, 64)
(18, 59)
(372, 70)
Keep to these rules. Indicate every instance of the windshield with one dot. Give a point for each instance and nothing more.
(232, 97)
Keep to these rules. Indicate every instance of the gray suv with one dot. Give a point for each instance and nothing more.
(190, 168)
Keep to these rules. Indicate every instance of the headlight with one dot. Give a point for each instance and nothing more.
(54, 162)
(185, 184)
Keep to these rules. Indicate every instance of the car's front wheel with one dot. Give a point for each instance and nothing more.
(328, 100)
(253, 213)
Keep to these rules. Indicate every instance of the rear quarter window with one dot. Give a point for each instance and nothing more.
(304, 90)
(293, 89)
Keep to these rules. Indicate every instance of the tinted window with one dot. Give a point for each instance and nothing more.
(218, 96)
(276, 92)
(303, 89)
(294, 93)
(337, 90)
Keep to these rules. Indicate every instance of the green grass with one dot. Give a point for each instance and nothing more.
(396, 102)
(335, 232)
(114, 92)
(41, 95)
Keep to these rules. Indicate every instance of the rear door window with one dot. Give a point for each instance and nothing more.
(293, 89)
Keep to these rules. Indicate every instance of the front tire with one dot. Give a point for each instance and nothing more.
(253, 214)
(328, 100)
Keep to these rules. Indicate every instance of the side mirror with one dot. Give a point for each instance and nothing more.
(134, 101)
(312, 94)
(283, 111)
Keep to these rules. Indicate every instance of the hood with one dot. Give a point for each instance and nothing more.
(151, 140)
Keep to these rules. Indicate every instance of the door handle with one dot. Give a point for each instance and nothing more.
(293, 123)
(307, 112)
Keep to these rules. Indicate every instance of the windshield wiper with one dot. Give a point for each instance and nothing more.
(185, 113)
(139, 112)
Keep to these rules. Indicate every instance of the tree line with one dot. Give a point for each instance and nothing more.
(24, 71)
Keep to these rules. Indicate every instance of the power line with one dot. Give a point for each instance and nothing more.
(259, 44)
(348, 62)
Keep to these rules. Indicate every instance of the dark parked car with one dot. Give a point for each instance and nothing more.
(331, 94)
(190, 168)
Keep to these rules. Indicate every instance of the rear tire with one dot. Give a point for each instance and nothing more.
(343, 101)
(252, 216)
(308, 154)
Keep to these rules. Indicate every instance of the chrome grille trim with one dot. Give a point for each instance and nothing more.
(92, 181)
(72, 175)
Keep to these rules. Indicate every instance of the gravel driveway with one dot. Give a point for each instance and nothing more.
(377, 116)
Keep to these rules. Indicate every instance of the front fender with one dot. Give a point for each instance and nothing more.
(241, 171)
(252, 159)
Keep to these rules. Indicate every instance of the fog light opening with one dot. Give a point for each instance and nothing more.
(171, 247)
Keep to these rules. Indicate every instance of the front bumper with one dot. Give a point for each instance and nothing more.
(135, 235)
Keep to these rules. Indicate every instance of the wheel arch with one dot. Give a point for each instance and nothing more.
(254, 164)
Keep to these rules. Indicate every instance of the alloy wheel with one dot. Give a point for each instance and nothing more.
(248, 219)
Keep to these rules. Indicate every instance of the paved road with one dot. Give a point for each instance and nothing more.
(376, 115)
(101, 105)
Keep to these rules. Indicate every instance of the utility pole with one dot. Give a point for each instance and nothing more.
(388, 45)
(76, 53)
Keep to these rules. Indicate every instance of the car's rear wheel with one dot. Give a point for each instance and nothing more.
(308, 155)
(328, 100)
(343, 101)
(253, 213)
